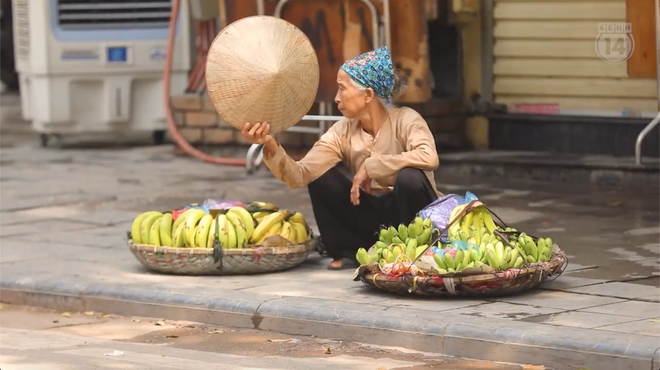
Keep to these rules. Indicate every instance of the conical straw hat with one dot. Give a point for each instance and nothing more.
(262, 68)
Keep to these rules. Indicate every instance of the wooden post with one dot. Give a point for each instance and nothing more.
(469, 19)
(643, 61)
(410, 48)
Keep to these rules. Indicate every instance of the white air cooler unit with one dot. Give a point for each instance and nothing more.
(97, 65)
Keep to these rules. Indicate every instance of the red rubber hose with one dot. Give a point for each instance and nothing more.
(171, 124)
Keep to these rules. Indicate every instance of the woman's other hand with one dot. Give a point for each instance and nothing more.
(361, 179)
(257, 133)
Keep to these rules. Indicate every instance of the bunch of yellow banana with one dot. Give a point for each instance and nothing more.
(473, 223)
(234, 228)
(290, 226)
(153, 228)
(420, 230)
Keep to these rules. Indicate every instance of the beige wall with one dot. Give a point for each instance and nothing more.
(544, 52)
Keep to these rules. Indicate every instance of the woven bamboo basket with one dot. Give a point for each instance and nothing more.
(275, 254)
(509, 282)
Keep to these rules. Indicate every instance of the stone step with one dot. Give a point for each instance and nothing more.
(607, 171)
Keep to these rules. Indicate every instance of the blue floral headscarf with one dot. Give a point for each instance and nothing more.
(374, 70)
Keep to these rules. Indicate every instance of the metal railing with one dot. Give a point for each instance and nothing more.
(641, 136)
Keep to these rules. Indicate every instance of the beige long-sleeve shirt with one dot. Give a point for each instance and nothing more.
(405, 140)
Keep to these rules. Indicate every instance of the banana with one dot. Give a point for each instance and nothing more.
(210, 238)
(258, 216)
(182, 217)
(301, 232)
(403, 232)
(202, 231)
(362, 256)
(475, 254)
(136, 233)
(466, 257)
(384, 236)
(274, 230)
(267, 223)
(533, 249)
(462, 235)
(145, 227)
(427, 222)
(492, 258)
(178, 237)
(242, 237)
(424, 237)
(414, 230)
(154, 232)
(397, 240)
(518, 263)
(381, 245)
(466, 222)
(245, 216)
(514, 256)
(488, 221)
(548, 242)
(506, 259)
(226, 232)
(374, 258)
(165, 230)
(190, 226)
(530, 259)
(440, 261)
(299, 218)
(421, 249)
(499, 251)
(262, 206)
(287, 231)
(449, 261)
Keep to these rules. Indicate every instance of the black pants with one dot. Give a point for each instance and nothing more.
(345, 227)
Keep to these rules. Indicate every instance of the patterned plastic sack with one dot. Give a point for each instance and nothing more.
(440, 210)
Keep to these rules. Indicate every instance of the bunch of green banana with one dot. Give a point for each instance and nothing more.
(464, 259)
(420, 230)
(391, 253)
(541, 251)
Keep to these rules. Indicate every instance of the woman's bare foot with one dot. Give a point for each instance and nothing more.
(336, 265)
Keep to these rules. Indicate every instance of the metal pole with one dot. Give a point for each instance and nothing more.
(260, 7)
(641, 136)
(487, 50)
(652, 124)
(386, 21)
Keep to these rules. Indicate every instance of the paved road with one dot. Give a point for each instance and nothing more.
(64, 214)
(50, 340)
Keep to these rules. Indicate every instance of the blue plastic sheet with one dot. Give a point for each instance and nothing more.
(440, 210)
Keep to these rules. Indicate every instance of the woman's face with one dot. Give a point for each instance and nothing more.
(350, 100)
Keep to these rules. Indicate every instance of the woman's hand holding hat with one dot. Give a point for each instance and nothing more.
(259, 133)
(256, 133)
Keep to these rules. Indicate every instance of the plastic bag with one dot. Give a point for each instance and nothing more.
(440, 210)
(208, 205)
(221, 204)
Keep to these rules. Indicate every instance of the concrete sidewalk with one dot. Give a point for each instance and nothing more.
(64, 215)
